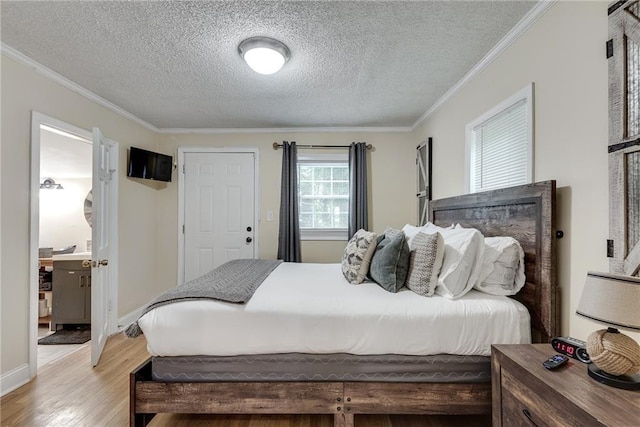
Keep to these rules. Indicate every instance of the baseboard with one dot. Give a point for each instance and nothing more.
(129, 318)
(13, 379)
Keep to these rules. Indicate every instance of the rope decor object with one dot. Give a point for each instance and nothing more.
(614, 353)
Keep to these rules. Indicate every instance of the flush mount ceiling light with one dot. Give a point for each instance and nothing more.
(263, 54)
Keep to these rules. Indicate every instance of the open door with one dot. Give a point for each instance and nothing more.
(104, 237)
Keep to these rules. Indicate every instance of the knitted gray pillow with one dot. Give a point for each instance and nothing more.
(425, 261)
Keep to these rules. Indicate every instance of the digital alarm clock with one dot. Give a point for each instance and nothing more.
(571, 347)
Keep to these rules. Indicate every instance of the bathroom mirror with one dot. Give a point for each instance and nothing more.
(88, 205)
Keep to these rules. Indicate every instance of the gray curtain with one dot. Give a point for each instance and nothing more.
(289, 233)
(358, 204)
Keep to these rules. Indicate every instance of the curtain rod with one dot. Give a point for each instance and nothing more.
(276, 146)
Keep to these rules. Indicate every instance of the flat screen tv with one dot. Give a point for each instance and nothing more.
(149, 165)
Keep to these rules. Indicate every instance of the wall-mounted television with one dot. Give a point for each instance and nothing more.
(149, 165)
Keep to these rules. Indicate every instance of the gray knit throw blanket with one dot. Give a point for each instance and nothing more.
(236, 282)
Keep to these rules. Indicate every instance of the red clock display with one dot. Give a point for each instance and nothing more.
(571, 347)
(566, 349)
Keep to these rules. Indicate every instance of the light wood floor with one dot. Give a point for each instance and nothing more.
(68, 392)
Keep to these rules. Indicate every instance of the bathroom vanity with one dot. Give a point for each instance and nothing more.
(71, 290)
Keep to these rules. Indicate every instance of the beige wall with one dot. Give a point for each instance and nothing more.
(563, 54)
(392, 188)
(23, 90)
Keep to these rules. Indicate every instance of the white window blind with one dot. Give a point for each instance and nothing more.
(500, 146)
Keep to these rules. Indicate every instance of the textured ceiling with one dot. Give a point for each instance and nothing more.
(174, 64)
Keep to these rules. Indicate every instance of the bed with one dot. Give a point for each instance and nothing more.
(346, 376)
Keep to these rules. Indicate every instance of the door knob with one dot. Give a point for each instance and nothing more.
(103, 262)
(86, 263)
(249, 228)
(249, 240)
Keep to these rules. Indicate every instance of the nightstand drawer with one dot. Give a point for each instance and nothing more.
(522, 406)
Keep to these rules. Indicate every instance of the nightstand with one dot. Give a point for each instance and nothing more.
(525, 393)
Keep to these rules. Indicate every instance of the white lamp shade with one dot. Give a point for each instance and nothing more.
(611, 299)
(264, 60)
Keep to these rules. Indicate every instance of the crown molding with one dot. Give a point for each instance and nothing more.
(22, 59)
(390, 129)
(518, 30)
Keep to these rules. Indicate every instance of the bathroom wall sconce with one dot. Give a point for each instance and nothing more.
(50, 184)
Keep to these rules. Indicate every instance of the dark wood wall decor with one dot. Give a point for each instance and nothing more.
(526, 213)
(424, 167)
(623, 56)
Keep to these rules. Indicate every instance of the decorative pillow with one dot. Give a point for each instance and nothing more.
(357, 255)
(463, 249)
(502, 271)
(425, 261)
(391, 232)
(388, 232)
(390, 262)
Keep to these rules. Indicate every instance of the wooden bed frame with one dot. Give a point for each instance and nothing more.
(525, 212)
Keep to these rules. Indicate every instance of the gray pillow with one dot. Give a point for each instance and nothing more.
(390, 262)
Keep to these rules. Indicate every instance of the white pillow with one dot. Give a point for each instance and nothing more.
(410, 232)
(502, 271)
(463, 249)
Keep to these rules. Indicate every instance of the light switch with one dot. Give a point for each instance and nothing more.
(269, 215)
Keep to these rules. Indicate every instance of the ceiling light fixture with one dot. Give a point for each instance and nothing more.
(263, 54)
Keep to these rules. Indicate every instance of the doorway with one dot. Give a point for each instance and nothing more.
(98, 289)
(218, 208)
(64, 239)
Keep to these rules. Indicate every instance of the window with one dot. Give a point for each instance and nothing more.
(500, 145)
(323, 186)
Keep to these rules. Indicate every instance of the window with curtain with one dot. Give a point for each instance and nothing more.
(500, 145)
(323, 185)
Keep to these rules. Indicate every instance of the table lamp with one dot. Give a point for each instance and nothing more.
(615, 301)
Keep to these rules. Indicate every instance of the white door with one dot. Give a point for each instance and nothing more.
(104, 235)
(219, 210)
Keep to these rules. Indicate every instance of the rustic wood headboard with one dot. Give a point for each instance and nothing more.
(528, 214)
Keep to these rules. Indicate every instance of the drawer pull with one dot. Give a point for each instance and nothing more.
(527, 414)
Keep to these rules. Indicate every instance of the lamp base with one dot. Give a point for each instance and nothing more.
(626, 382)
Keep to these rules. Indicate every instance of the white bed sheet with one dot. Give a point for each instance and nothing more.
(311, 308)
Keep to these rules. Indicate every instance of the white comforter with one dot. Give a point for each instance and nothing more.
(311, 308)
